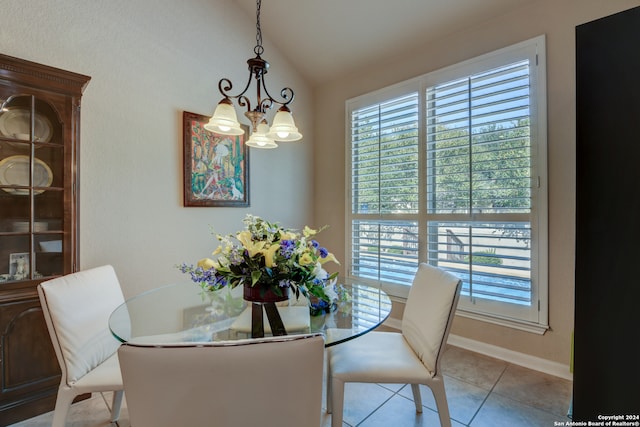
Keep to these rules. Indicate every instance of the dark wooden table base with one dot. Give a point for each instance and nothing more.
(275, 321)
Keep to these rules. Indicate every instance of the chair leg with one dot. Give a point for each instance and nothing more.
(63, 403)
(328, 385)
(417, 398)
(337, 402)
(116, 404)
(440, 396)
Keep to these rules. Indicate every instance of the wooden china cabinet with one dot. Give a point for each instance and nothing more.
(39, 147)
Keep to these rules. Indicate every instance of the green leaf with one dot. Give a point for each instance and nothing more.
(255, 277)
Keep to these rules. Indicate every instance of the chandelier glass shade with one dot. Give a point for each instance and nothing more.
(225, 121)
(283, 127)
(259, 138)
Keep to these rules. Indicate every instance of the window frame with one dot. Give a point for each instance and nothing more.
(534, 50)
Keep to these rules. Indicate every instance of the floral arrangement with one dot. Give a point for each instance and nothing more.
(267, 254)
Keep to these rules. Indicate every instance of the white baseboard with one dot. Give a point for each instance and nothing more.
(531, 362)
(517, 358)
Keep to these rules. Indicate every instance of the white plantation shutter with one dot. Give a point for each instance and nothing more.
(450, 168)
(385, 184)
(479, 151)
(478, 142)
(493, 259)
(384, 250)
(384, 157)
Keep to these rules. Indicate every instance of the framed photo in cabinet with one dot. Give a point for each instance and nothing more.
(19, 266)
(216, 167)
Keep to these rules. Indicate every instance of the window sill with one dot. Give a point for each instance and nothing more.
(533, 328)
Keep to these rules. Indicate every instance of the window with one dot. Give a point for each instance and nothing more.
(450, 169)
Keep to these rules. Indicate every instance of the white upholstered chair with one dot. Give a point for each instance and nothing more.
(268, 382)
(408, 357)
(76, 309)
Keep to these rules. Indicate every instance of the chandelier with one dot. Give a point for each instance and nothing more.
(225, 121)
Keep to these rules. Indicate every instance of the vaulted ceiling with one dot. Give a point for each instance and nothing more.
(327, 38)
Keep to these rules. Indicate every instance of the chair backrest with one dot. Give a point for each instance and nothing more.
(76, 309)
(429, 312)
(268, 382)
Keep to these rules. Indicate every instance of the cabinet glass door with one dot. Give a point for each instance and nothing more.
(32, 190)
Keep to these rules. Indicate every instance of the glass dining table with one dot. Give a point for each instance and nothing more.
(183, 313)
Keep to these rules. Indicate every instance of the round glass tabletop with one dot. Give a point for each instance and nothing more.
(182, 312)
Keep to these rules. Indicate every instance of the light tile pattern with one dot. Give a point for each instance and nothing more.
(482, 392)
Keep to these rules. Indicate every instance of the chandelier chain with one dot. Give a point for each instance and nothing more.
(258, 50)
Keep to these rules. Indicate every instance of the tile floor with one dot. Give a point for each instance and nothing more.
(481, 391)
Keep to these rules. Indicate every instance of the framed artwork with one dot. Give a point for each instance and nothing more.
(216, 167)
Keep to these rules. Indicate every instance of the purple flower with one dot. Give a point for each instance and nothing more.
(287, 247)
(320, 304)
(323, 252)
(284, 283)
(235, 257)
(315, 244)
(206, 278)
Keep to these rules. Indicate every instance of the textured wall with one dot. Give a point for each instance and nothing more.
(150, 60)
